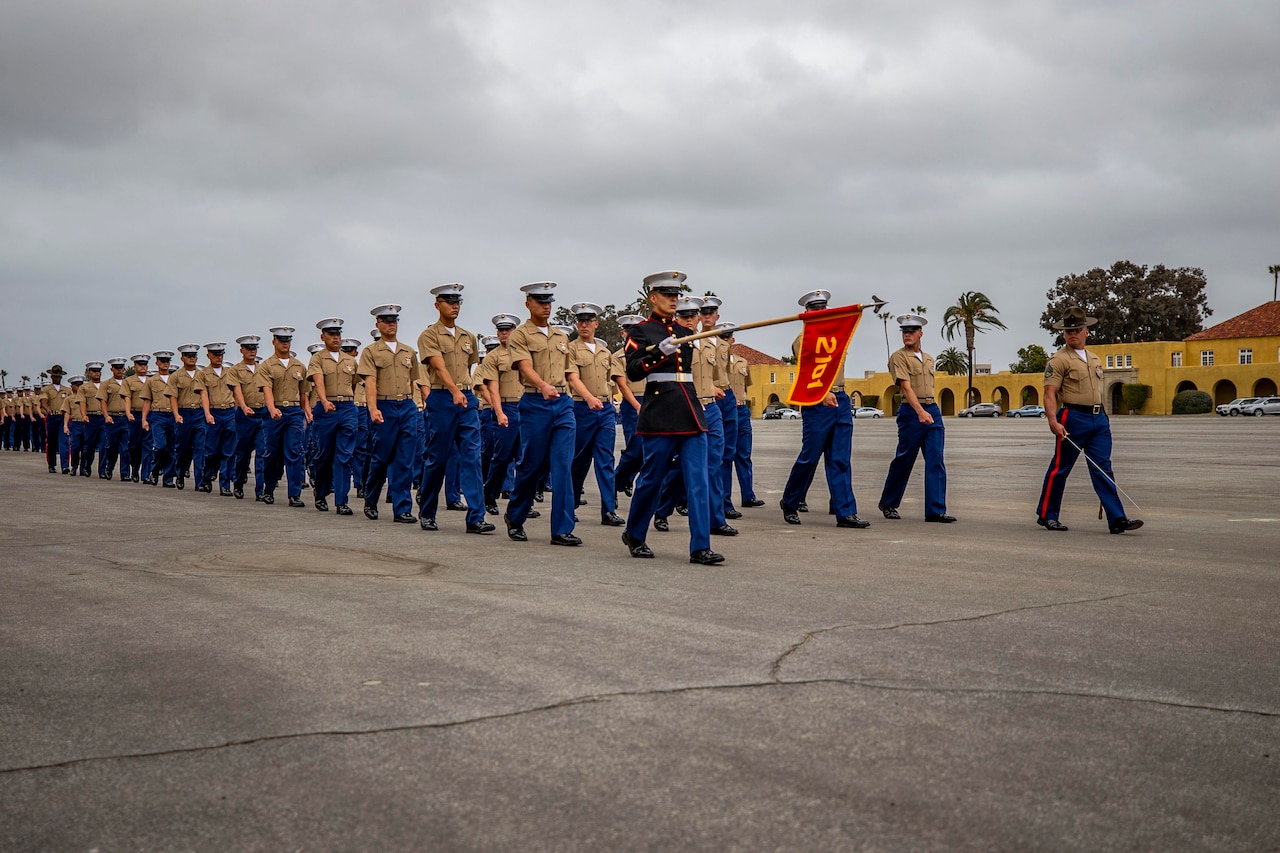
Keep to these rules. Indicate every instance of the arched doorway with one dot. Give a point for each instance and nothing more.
(1000, 396)
(948, 402)
(976, 398)
(856, 399)
(774, 401)
(1264, 388)
(1186, 385)
(1117, 400)
(891, 399)
(1030, 396)
(1224, 392)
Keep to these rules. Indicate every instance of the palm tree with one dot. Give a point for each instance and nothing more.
(951, 361)
(4, 374)
(26, 380)
(884, 314)
(1274, 269)
(972, 309)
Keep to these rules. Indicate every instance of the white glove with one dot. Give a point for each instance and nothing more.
(668, 346)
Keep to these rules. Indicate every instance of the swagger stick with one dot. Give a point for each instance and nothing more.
(1100, 471)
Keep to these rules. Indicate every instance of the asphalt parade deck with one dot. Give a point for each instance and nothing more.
(185, 671)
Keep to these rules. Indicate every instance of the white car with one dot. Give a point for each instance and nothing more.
(868, 412)
(1262, 406)
(1236, 406)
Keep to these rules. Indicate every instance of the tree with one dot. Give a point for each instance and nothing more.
(4, 374)
(608, 331)
(1133, 303)
(972, 310)
(1274, 269)
(1031, 359)
(952, 362)
(26, 380)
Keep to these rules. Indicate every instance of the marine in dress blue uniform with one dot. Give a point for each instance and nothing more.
(919, 427)
(672, 421)
(826, 432)
(1073, 407)
(390, 370)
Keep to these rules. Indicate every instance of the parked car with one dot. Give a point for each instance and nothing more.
(781, 414)
(868, 412)
(1235, 406)
(1027, 412)
(982, 410)
(1262, 406)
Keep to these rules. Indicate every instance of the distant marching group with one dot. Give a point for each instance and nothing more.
(511, 415)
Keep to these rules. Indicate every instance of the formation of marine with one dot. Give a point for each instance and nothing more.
(531, 407)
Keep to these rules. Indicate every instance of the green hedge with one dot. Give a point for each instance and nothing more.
(1135, 396)
(1192, 403)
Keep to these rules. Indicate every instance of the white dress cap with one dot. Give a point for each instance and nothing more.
(163, 355)
(93, 365)
(567, 330)
(453, 289)
(509, 321)
(813, 296)
(117, 362)
(540, 290)
(284, 333)
(689, 303)
(626, 321)
(711, 302)
(912, 320)
(350, 343)
(216, 346)
(667, 280)
(314, 348)
(385, 311)
(140, 358)
(248, 340)
(330, 323)
(577, 309)
(489, 341)
(189, 349)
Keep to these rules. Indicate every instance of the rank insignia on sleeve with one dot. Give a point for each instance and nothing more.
(1048, 372)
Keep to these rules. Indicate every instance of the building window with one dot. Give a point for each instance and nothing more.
(1246, 356)
(1111, 362)
(1206, 358)
(1128, 359)
(1177, 359)
(793, 377)
(773, 378)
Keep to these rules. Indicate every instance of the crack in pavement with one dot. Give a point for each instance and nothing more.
(595, 698)
(795, 647)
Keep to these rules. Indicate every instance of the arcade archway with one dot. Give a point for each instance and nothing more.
(1264, 388)
(1224, 392)
(947, 402)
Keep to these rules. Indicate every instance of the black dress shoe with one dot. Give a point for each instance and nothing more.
(182, 483)
(802, 507)
(612, 519)
(724, 530)
(888, 512)
(1120, 525)
(52, 470)
(1051, 524)
(84, 473)
(629, 490)
(359, 494)
(428, 523)
(575, 518)
(492, 509)
(482, 527)
(238, 493)
(343, 509)
(406, 518)
(322, 504)
(208, 488)
(456, 506)
(66, 470)
(268, 498)
(681, 509)
(852, 521)
(168, 484)
(538, 497)
(706, 557)
(506, 495)
(636, 546)
(371, 512)
(660, 524)
(754, 502)
(514, 531)
(582, 501)
(533, 513)
(295, 502)
(565, 539)
(224, 493)
(788, 513)
(732, 514)
(941, 519)
(134, 478)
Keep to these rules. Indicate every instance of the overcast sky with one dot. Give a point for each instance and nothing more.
(175, 171)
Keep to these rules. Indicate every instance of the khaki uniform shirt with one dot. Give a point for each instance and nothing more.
(155, 390)
(131, 388)
(394, 370)
(838, 385)
(88, 394)
(217, 387)
(55, 398)
(706, 369)
(595, 369)
(183, 389)
(243, 375)
(459, 351)
(724, 352)
(1078, 382)
(288, 379)
(7, 406)
(73, 406)
(919, 372)
(497, 367)
(740, 374)
(548, 354)
(338, 376)
(636, 385)
(111, 391)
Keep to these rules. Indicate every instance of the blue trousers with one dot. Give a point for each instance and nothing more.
(728, 406)
(674, 488)
(360, 456)
(90, 438)
(659, 450)
(913, 437)
(547, 430)
(594, 438)
(219, 449)
(742, 456)
(189, 442)
(395, 453)
(506, 449)
(57, 449)
(453, 432)
(114, 446)
(826, 432)
(251, 440)
(136, 440)
(632, 456)
(488, 434)
(284, 450)
(158, 463)
(335, 435)
(1093, 434)
(76, 440)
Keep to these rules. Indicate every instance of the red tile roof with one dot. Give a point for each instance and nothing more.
(754, 356)
(1260, 322)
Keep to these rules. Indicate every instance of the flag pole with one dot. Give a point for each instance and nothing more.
(876, 305)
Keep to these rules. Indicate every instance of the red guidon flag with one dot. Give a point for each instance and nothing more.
(822, 346)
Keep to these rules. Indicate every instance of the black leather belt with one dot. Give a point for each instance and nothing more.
(1088, 410)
